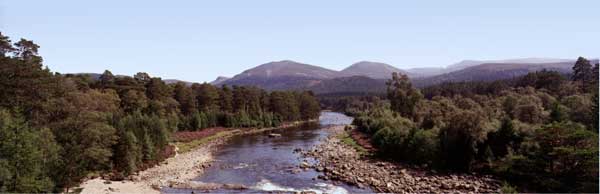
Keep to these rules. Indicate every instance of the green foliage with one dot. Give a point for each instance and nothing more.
(583, 73)
(538, 131)
(207, 96)
(580, 109)
(309, 106)
(57, 129)
(507, 188)
(24, 161)
(142, 138)
(185, 97)
(595, 111)
(561, 157)
(285, 105)
(558, 112)
(85, 134)
(348, 140)
(424, 146)
(504, 140)
(459, 139)
(402, 95)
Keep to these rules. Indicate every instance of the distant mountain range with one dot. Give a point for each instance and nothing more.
(219, 80)
(373, 70)
(494, 71)
(370, 77)
(470, 63)
(433, 71)
(285, 75)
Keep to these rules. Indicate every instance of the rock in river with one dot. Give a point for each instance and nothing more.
(274, 135)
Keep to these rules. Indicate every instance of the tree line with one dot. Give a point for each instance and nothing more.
(538, 131)
(57, 129)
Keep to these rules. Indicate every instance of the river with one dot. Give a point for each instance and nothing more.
(266, 163)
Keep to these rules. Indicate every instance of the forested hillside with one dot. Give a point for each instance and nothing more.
(57, 129)
(539, 132)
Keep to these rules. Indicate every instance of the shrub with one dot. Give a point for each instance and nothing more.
(561, 157)
(424, 146)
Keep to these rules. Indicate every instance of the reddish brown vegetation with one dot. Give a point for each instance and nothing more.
(187, 136)
(362, 139)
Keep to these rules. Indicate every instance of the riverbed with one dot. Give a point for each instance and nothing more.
(263, 163)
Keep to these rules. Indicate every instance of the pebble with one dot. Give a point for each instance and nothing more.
(340, 162)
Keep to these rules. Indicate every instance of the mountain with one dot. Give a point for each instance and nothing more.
(353, 84)
(274, 83)
(219, 80)
(419, 73)
(495, 71)
(368, 76)
(425, 71)
(286, 68)
(291, 75)
(373, 70)
(281, 75)
(469, 63)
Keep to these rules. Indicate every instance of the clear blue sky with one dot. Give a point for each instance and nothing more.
(199, 40)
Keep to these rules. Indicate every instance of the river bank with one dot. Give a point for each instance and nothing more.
(175, 171)
(341, 162)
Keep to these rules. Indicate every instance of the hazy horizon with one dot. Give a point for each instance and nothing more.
(198, 41)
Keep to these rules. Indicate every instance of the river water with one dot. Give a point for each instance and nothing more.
(266, 163)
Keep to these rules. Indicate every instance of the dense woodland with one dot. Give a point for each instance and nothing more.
(538, 131)
(57, 129)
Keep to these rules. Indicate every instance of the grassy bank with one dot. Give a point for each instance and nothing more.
(347, 139)
(187, 146)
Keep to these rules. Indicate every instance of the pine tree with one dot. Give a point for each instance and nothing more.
(402, 95)
(583, 73)
(22, 157)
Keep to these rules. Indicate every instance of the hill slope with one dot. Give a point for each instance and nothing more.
(286, 68)
(494, 71)
(470, 63)
(373, 70)
(353, 84)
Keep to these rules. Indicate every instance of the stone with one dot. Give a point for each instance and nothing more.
(360, 179)
(304, 165)
(274, 135)
(319, 169)
(403, 172)
(389, 185)
(235, 186)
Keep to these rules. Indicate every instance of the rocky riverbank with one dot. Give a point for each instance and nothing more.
(340, 162)
(175, 172)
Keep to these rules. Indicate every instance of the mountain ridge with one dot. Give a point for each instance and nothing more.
(374, 73)
(376, 70)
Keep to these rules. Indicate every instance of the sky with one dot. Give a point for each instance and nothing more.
(199, 40)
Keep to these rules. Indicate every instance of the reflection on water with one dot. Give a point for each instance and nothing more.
(269, 164)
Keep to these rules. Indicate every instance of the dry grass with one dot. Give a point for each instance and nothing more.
(189, 145)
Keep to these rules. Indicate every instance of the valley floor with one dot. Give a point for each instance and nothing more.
(341, 162)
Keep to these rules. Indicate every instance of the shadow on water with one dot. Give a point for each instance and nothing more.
(266, 163)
